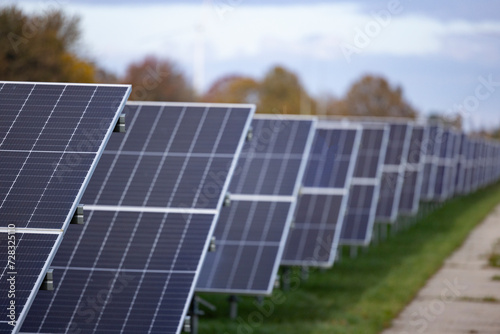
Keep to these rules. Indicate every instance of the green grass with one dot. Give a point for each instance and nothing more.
(360, 295)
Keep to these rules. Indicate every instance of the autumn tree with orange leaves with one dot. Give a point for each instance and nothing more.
(41, 47)
(373, 97)
(155, 79)
(233, 89)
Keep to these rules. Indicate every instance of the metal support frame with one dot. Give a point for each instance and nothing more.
(233, 306)
(285, 278)
(353, 252)
(304, 273)
(120, 124)
(78, 216)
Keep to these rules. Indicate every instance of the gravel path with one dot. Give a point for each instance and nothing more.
(463, 296)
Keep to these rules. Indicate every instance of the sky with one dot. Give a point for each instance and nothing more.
(444, 54)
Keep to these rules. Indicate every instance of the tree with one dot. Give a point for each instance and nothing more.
(40, 47)
(495, 134)
(281, 92)
(155, 79)
(373, 96)
(454, 120)
(233, 89)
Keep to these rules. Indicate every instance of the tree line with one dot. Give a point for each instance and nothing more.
(44, 47)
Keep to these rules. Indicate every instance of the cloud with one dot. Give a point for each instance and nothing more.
(231, 29)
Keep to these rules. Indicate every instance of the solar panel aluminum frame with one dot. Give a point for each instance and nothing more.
(266, 198)
(376, 182)
(224, 188)
(120, 105)
(333, 125)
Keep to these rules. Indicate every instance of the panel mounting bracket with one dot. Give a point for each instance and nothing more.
(249, 134)
(212, 247)
(48, 281)
(227, 199)
(120, 124)
(78, 215)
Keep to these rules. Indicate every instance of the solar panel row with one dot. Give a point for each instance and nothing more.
(299, 189)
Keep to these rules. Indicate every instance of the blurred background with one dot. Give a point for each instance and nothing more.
(396, 58)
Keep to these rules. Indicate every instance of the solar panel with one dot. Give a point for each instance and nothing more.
(413, 174)
(51, 137)
(461, 169)
(251, 233)
(441, 158)
(322, 202)
(444, 165)
(430, 168)
(365, 185)
(451, 164)
(483, 163)
(393, 170)
(152, 206)
(489, 155)
(491, 178)
(469, 166)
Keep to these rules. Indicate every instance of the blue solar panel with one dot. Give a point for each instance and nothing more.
(51, 137)
(440, 164)
(410, 193)
(320, 210)
(444, 187)
(251, 233)
(151, 208)
(393, 171)
(430, 152)
(365, 185)
(462, 165)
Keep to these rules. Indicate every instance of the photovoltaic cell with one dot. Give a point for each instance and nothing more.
(51, 137)
(151, 208)
(322, 202)
(365, 185)
(251, 233)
